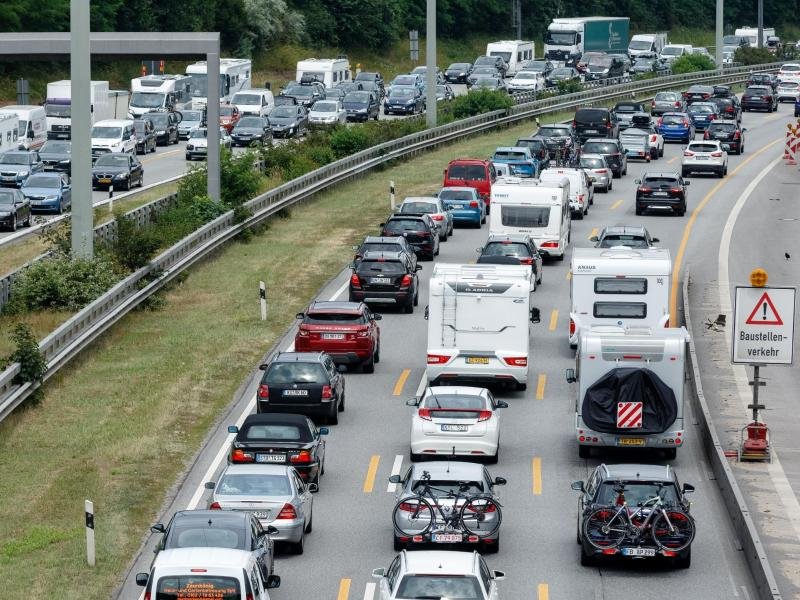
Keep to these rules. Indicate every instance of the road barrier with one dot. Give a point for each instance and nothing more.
(792, 146)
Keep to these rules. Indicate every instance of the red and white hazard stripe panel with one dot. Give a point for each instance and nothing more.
(629, 415)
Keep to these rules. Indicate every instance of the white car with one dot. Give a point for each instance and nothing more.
(438, 574)
(197, 144)
(527, 81)
(788, 90)
(707, 156)
(789, 72)
(326, 113)
(456, 420)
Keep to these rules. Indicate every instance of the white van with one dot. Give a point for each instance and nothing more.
(579, 192)
(328, 71)
(619, 286)
(206, 572)
(539, 209)
(32, 125)
(515, 52)
(672, 52)
(255, 101)
(9, 132)
(113, 135)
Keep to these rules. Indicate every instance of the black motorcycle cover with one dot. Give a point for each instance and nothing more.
(659, 407)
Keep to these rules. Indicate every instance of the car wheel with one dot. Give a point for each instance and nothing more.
(721, 173)
(27, 222)
(298, 547)
(684, 562)
(682, 211)
(409, 306)
(639, 211)
(436, 252)
(584, 451)
(483, 220)
(610, 185)
(310, 524)
(333, 417)
(60, 208)
(369, 365)
(661, 152)
(14, 223)
(416, 297)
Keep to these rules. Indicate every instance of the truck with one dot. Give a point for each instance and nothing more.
(479, 318)
(159, 92)
(57, 107)
(515, 52)
(647, 43)
(568, 38)
(750, 35)
(630, 389)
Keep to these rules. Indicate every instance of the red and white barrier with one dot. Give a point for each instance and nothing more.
(792, 146)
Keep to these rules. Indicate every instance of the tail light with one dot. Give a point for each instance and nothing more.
(302, 332)
(473, 204)
(676, 190)
(706, 135)
(660, 122)
(602, 171)
(549, 245)
(686, 123)
(525, 260)
(677, 104)
(240, 456)
(249, 596)
(327, 392)
(363, 333)
(287, 512)
(574, 124)
(737, 135)
(304, 456)
(438, 359)
(215, 506)
(484, 415)
(516, 361)
(653, 104)
(355, 281)
(408, 507)
(425, 235)
(424, 414)
(716, 154)
(147, 596)
(688, 153)
(706, 96)
(571, 327)
(487, 508)
(580, 197)
(712, 117)
(643, 188)
(263, 391)
(437, 217)
(406, 281)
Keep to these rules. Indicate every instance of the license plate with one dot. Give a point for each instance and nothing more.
(702, 158)
(332, 336)
(458, 206)
(446, 538)
(590, 131)
(477, 360)
(104, 180)
(454, 428)
(270, 458)
(661, 194)
(261, 514)
(638, 551)
(630, 441)
(380, 280)
(295, 392)
(49, 167)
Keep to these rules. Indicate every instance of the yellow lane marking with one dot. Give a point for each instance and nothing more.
(616, 204)
(687, 231)
(553, 319)
(592, 234)
(569, 275)
(369, 482)
(540, 386)
(401, 381)
(543, 592)
(344, 589)
(672, 160)
(537, 476)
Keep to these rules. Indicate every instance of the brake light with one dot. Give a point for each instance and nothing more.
(688, 153)
(406, 281)
(408, 507)
(287, 512)
(686, 123)
(355, 281)
(601, 171)
(304, 456)
(706, 96)
(249, 596)
(644, 188)
(240, 456)
(302, 332)
(736, 135)
(438, 359)
(437, 217)
(484, 415)
(676, 190)
(716, 154)
(525, 260)
(571, 327)
(147, 596)
(580, 197)
(653, 104)
(263, 391)
(424, 414)
(677, 104)
(549, 245)
(363, 333)
(327, 392)
(482, 508)
(516, 361)
(473, 204)
(215, 506)
(706, 135)
(574, 124)
(660, 122)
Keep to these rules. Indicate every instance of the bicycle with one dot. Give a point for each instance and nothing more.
(670, 528)
(479, 514)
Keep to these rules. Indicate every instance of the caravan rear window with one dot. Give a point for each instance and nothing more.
(620, 310)
(525, 216)
(620, 285)
(198, 587)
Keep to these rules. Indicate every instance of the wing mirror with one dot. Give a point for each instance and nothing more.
(594, 238)
(687, 183)
(535, 315)
(393, 479)
(142, 578)
(377, 317)
(427, 313)
(273, 581)
(379, 573)
(500, 481)
(210, 485)
(271, 530)
(313, 488)
(578, 486)
(655, 240)
(263, 367)
(412, 402)
(687, 488)
(233, 429)
(341, 368)
(158, 528)
(418, 268)
(300, 315)
(498, 575)
(324, 431)
(501, 404)
(637, 182)
(570, 375)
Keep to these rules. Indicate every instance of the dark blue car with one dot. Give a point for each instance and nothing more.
(703, 114)
(676, 126)
(464, 203)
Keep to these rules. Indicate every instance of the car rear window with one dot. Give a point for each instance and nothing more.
(506, 249)
(401, 225)
(534, 145)
(275, 432)
(703, 147)
(694, 108)
(637, 492)
(789, 85)
(673, 119)
(525, 216)
(194, 536)
(445, 487)
(592, 163)
(759, 91)
(468, 172)
(440, 586)
(660, 180)
(318, 318)
(628, 107)
(454, 406)
(418, 207)
(725, 127)
(631, 241)
(622, 285)
(254, 484)
(295, 372)
(620, 310)
(502, 155)
(457, 195)
(554, 132)
(591, 115)
(666, 96)
(600, 148)
(370, 247)
(374, 267)
(197, 587)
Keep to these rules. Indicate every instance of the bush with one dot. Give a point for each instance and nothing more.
(480, 101)
(31, 360)
(569, 86)
(748, 55)
(134, 246)
(349, 140)
(692, 63)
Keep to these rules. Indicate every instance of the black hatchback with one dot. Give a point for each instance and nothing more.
(386, 278)
(661, 191)
(730, 133)
(306, 383)
(419, 230)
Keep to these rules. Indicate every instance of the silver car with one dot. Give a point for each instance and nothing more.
(667, 102)
(446, 479)
(434, 207)
(275, 494)
(596, 167)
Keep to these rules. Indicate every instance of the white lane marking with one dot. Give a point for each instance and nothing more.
(422, 385)
(779, 480)
(369, 591)
(398, 464)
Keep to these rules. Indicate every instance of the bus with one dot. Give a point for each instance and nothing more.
(234, 76)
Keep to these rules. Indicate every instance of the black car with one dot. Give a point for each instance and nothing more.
(56, 155)
(610, 485)
(373, 79)
(566, 74)
(251, 130)
(286, 101)
(759, 97)
(385, 244)
(404, 100)
(458, 72)
(545, 67)
(118, 169)
(305, 93)
(361, 106)
(217, 528)
(15, 209)
(648, 63)
(491, 61)
(661, 191)
(605, 67)
(288, 121)
(613, 152)
(306, 383)
(283, 439)
(723, 91)
(483, 72)
(538, 146)
(386, 278)
(730, 133)
(729, 108)
(559, 141)
(373, 88)
(347, 87)
(145, 136)
(518, 245)
(698, 93)
(762, 79)
(165, 125)
(419, 230)
(595, 122)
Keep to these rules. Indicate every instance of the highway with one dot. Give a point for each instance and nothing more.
(352, 528)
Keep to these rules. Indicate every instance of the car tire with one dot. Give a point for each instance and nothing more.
(416, 297)
(436, 253)
(408, 308)
(297, 548)
(378, 354)
(560, 258)
(415, 457)
(520, 387)
(60, 210)
(681, 211)
(27, 222)
(611, 184)
(310, 525)
(684, 562)
(369, 365)
(584, 451)
(483, 220)
(340, 407)
(333, 417)
(14, 223)
(492, 460)
(721, 173)
(661, 152)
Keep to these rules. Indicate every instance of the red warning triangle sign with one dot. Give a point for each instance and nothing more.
(764, 313)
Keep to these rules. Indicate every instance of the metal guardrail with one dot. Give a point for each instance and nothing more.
(85, 326)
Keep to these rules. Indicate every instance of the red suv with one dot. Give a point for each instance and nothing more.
(471, 172)
(347, 331)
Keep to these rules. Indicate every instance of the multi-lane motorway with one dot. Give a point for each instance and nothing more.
(352, 528)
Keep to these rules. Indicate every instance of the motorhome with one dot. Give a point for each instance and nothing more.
(234, 75)
(630, 389)
(9, 132)
(515, 52)
(57, 107)
(479, 320)
(647, 43)
(536, 208)
(750, 35)
(327, 71)
(159, 92)
(618, 286)
(32, 125)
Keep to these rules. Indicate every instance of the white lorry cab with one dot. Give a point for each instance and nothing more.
(479, 320)
(539, 209)
(327, 71)
(515, 52)
(57, 107)
(620, 287)
(630, 389)
(672, 52)
(32, 125)
(206, 572)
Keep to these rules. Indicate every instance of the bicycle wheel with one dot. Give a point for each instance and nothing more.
(413, 516)
(604, 528)
(481, 517)
(673, 530)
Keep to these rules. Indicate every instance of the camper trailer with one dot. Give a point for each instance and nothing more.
(515, 52)
(327, 71)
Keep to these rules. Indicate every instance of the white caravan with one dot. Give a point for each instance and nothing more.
(537, 208)
(515, 52)
(618, 286)
(159, 92)
(234, 75)
(57, 107)
(328, 71)
(630, 389)
(479, 320)
(750, 34)
(32, 125)
(9, 132)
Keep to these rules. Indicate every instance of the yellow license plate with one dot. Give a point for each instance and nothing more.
(630, 441)
(104, 180)
(477, 360)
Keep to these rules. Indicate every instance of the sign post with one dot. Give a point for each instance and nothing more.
(88, 507)
(262, 295)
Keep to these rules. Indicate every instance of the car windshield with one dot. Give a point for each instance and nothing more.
(671, 51)
(554, 132)
(43, 181)
(357, 97)
(158, 119)
(789, 85)
(193, 116)
(600, 61)
(419, 207)
(458, 67)
(109, 160)
(295, 372)
(106, 133)
(487, 82)
(534, 145)
(441, 89)
(506, 248)
(177, 587)
(226, 111)
(139, 126)
(445, 487)
(402, 93)
(673, 119)
(199, 133)
(336, 318)
(6, 198)
(640, 45)
(722, 127)
(372, 268)
(14, 159)
(401, 225)
(255, 484)
(56, 147)
(325, 107)
(484, 71)
(455, 587)
(628, 108)
(526, 75)
(301, 90)
(255, 122)
(599, 148)
(703, 148)
(637, 492)
(536, 65)
(644, 62)
(619, 239)
(246, 99)
(282, 113)
(194, 534)
(566, 38)
(592, 163)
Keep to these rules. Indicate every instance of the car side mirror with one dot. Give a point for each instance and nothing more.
(498, 575)
(379, 573)
(655, 240)
(687, 183)
(377, 317)
(323, 431)
(479, 249)
(263, 367)
(687, 488)
(570, 375)
(535, 315)
(382, 225)
(637, 181)
(210, 485)
(427, 313)
(341, 368)
(418, 268)
(578, 486)
(233, 429)
(394, 479)
(744, 129)
(313, 488)
(273, 581)
(412, 402)
(501, 404)
(499, 481)
(300, 316)
(158, 528)
(142, 578)
(594, 238)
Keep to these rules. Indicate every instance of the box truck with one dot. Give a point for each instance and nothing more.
(57, 107)
(567, 39)
(647, 43)
(630, 389)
